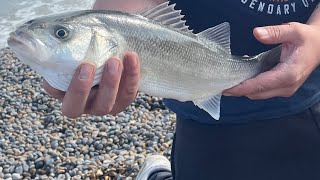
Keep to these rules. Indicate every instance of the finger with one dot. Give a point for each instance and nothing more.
(283, 92)
(270, 80)
(108, 88)
(91, 100)
(129, 83)
(277, 34)
(55, 93)
(74, 102)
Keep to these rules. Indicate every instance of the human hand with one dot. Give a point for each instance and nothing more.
(299, 57)
(117, 89)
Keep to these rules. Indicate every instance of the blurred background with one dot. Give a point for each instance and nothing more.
(15, 12)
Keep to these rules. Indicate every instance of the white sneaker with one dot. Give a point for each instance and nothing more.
(152, 164)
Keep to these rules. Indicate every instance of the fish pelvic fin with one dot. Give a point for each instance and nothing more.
(211, 106)
(219, 34)
(166, 14)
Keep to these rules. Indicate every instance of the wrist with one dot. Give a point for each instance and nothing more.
(315, 17)
(98, 4)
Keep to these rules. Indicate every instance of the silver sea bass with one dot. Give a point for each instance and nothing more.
(175, 63)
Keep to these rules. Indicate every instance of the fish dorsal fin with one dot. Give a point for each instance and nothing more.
(167, 15)
(211, 106)
(219, 34)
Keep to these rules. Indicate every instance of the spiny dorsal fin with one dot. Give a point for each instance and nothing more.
(219, 34)
(167, 15)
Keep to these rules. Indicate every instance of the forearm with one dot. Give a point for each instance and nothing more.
(315, 17)
(127, 5)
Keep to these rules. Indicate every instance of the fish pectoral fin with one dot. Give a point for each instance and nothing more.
(219, 34)
(92, 50)
(95, 52)
(167, 15)
(211, 106)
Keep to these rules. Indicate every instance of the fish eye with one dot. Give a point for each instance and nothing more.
(61, 33)
(30, 22)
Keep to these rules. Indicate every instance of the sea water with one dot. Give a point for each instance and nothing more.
(15, 12)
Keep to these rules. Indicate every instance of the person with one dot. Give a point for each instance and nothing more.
(269, 126)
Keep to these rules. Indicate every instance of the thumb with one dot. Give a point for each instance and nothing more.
(276, 34)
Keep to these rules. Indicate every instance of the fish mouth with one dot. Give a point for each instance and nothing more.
(21, 40)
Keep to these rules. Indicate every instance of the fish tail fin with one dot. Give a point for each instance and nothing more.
(269, 59)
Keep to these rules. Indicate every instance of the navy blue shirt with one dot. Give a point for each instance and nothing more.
(243, 16)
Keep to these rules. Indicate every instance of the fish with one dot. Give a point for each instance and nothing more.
(175, 62)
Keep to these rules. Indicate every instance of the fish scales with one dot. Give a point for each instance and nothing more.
(164, 53)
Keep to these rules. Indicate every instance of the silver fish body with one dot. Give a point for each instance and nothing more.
(175, 63)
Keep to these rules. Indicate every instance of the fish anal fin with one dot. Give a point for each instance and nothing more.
(211, 106)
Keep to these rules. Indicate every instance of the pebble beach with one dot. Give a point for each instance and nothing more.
(38, 142)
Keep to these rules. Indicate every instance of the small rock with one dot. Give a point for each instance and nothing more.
(95, 134)
(77, 177)
(98, 146)
(25, 167)
(42, 149)
(61, 177)
(84, 141)
(69, 149)
(6, 176)
(68, 176)
(169, 136)
(39, 164)
(54, 144)
(16, 176)
(19, 170)
(99, 173)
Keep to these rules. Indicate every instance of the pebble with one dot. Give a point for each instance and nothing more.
(16, 176)
(61, 177)
(6, 176)
(19, 169)
(169, 136)
(99, 173)
(39, 164)
(98, 146)
(54, 144)
(69, 149)
(38, 142)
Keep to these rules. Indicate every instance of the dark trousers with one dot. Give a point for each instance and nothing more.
(278, 149)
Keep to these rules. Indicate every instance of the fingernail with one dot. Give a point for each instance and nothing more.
(113, 66)
(263, 32)
(227, 94)
(86, 71)
(130, 62)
